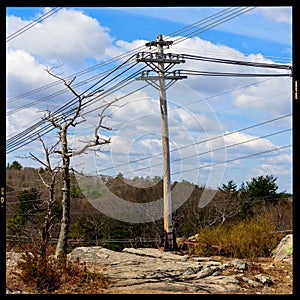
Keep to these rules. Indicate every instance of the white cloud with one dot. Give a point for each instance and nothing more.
(271, 96)
(72, 38)
(69, 36)
(276, 170)
(24, 73)
(256, 143)
(22, 120)
(280, 14)
(215, 85)
(285, 158)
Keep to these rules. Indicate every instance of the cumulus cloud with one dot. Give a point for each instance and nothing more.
(24, 73)
(69, 36)
(272, 96)
(206, 85)
(255, 143)
(276, 170)
(74, 39)
(279, 14)
(21, 120)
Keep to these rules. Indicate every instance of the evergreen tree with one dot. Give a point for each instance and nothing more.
(28, 202)
(259, 190)
(230, 187)
(15, 165)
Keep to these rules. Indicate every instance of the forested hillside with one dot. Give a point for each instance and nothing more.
(256, 202)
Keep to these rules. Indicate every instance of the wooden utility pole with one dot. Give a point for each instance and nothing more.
(156, 61)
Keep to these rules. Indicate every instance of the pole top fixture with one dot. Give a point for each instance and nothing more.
(159, 41)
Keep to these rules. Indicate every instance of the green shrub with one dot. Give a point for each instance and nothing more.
(246, 239)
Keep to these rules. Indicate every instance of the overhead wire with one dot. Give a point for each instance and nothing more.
(220, 13)
(184, 32)
(212, 164)
(209, 151)
(205, 141)
(111, 60)
(45, 128)
(55, 94)
(234, 159)
(14, 143)
(33, 23)
(228, 17)
(197, 101)
(183, 71)
(116, 58)
(235, 54)
(68, 104)
(71, 102)
(237, 62)
(230, 74)
(48, 128)
(198, 142)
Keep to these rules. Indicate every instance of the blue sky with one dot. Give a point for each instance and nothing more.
(200, 108)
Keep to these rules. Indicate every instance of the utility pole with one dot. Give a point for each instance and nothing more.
(156, 61)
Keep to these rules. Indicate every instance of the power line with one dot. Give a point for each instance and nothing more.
(55, 94)
(187, 72)
(204, 141)
(120, 56)
(228, 17)
(210, 151)
(224, 74)
(199, 142)
(221, 162)
(199, 154)
(279, 59)
(33, 132)
(237, 62)
(36, 125)
(33, 23)
(15, 142)
(235, 159)
(202, 21)
(191, 103)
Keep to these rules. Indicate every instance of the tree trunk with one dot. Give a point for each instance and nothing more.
(62, 243)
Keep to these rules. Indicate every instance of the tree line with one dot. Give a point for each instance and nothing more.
(88, 226)
(53, 211)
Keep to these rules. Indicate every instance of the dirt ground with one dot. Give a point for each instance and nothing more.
(281, 274)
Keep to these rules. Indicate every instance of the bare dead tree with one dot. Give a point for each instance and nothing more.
(62, 123)
(50, 183)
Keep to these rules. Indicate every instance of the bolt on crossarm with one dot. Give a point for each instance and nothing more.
(156, 61)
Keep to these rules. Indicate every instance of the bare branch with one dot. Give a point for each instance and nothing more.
(48, 117)
(71, 81)
(37, 159)
(92, 144)
(44, 182)
(57, 151)
(79, 122)
(48, 70)
(54, 146)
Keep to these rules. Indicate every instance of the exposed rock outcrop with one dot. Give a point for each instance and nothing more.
(284, 250)
(149, 270)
